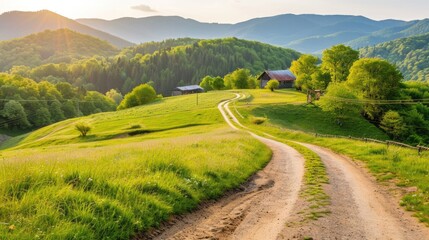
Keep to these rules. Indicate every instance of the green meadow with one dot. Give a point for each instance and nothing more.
(389, 164)
(136, 168)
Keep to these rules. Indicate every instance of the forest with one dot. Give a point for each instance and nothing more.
(59, 46)
(26, 104)
(409, 54)
(165, 65)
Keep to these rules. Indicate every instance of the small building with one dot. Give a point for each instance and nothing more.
(285, 78)
(187, 90)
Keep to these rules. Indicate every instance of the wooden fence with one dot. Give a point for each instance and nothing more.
(419, 148)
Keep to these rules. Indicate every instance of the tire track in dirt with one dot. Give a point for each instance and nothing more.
(258, 212)
(360, 208)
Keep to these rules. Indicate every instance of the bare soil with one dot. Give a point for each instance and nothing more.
(360, 208)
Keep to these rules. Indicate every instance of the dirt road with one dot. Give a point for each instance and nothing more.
(269, 207)
(360, 208)
(260, 211)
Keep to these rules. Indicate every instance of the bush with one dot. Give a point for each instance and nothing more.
(258, 120)
(83, 128)
(140, 95)
(272, 84)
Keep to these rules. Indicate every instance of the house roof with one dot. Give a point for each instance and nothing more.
(280, 75)
(190, 88)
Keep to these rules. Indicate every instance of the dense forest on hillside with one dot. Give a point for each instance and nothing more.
(60, 46)
(25, 103)
(409, 54)
(166, 68)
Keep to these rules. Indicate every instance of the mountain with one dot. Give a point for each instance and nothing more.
(408, 29)
(19, 24)
(307, 33)
(59, 46)
(409, 54)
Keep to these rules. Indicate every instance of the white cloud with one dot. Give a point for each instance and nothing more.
(143, 8)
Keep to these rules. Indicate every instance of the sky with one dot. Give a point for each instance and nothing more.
(223, 11)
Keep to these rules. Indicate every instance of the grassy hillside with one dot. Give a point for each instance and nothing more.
(409, 54)
(287, 109)
(51, 47)
(115, 184)
(389, 164)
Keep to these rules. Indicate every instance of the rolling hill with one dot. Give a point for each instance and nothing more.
(18, 24)
(59, 46)
(306, 33)
(409, 54)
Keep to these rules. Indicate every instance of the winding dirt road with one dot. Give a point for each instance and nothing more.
(269, 207)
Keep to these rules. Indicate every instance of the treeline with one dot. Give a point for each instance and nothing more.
(372, 87)
(60, 46)
(25, 103)
(165, 68)
(409, 54)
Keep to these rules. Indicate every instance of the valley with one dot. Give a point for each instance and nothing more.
(293, 125)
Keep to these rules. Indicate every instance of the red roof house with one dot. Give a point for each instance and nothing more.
(285, 78)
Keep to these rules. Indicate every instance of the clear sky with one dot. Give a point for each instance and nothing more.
(223, 11)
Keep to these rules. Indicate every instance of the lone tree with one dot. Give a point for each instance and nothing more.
(83, 128)
(272, 84)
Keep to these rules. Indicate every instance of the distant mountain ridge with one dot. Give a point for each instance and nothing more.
(306, 33)
(18, 24)
(411, 55)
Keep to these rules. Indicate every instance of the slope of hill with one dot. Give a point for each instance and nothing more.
(408, 29)
(307, 33)
(59, 46)
(409, 54)
(19, 24)
(112, 185)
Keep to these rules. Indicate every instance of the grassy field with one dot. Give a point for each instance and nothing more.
(287, 110)
(113, 184)
(403, 167)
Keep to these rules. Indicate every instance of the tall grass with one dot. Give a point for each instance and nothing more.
(115, 192)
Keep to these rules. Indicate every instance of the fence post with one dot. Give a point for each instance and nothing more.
(387, 143)
(419, 150)
(315, 135)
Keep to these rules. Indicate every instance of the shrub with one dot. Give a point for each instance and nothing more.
(272, 84)
(83, 128)
(258, 120)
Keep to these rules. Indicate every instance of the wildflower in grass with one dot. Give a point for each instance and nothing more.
(12, 227)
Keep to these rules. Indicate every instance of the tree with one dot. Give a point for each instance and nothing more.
(303, 68)
(217, 83)
(15, 115)
(115, 96)
(42, 117)
(83, 128)
(374, 79)
(239, 79)
(341, 101)
(140, 95)
(338, 60)
(207, 83)
(272, 84)
(393, 124)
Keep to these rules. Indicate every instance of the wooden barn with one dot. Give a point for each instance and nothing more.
(187, 90)
(285, 78)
